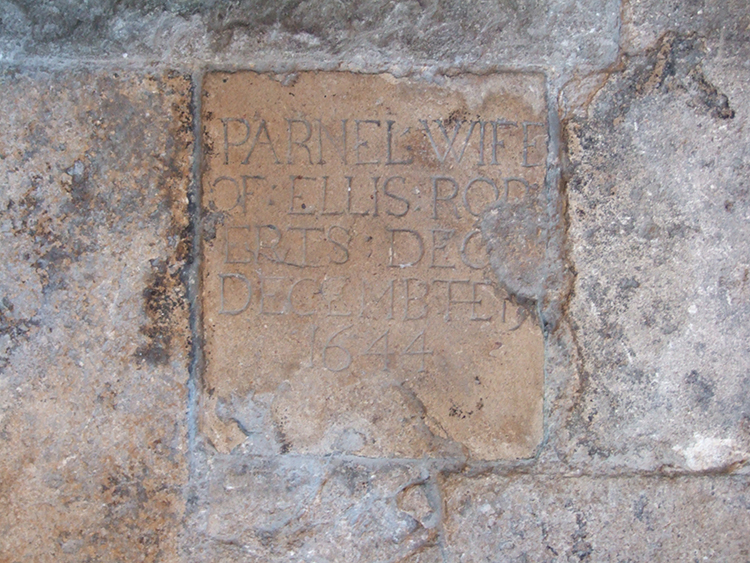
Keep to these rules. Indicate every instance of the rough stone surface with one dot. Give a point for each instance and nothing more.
(646, 440)
(525, 518)
(93, 317)
(658, 228)
(725, 24)
(403, 37)
(349, 303)
(310, 509)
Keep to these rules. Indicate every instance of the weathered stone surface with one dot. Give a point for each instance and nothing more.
(726, 24)
(93, 317)
(645, 366)
(349, 303)
(536, 518)
(378, 35)
(659, 236)
(291, 509)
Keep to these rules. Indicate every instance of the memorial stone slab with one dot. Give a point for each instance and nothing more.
(348, 301)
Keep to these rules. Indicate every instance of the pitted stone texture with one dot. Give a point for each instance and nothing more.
(726, 23)
(349, 301)
(93, 318)
(659, 232)
(305, 34)
(290, 509)
(526, 518)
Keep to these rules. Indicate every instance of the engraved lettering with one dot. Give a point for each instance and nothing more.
(436, 180)
(521, 315)
(419, 299)
(341, 152)
(384, 354)
(482, 130)
(475, 301)
(303, 263)
(265, 296)
(465, 254)
(527, 145)
(294, 308)
(333, 293)
(271, 245)
(451, 300)
(343, 247)
(225, 121)
(440, 238)
(412, 350)
(359, 143)
(300, 143)
(403, 200)
(343, 353)
(389, 147)
(350, 257)
(304, 208)
(487, 181)
(373, 197)
(449, 140)
(262, 130)
(323, 205)
(248, 288)
(496, 141)
(238, 197)
(411, 252)
(388, 291)
(229, 257)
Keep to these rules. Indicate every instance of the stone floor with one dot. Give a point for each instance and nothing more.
(645, 318)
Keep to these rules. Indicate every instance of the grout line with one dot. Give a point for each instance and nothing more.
(196, 313)
(478, 469)
(269, 63)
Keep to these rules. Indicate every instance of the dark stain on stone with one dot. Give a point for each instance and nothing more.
(458, 115)
(15, 329)
(354, 478)
(78, 187)
(516, 237)
(210, 224)
(130, 495)
(672, 67)
(286, 446)
(711, 98)
(107, 396)
(703, 389)
(639, 507)
(581, 548)
(628, 286)
(164, 294)
(456, 411)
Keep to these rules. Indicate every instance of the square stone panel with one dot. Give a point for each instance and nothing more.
(348, 302)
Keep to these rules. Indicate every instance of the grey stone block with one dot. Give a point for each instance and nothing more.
(659, 240)
(403, 37)
(524, 518)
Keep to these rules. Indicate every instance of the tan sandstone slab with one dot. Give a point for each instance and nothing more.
(94, 319)
(349, 305)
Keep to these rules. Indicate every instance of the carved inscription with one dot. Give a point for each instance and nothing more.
(346, 280)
